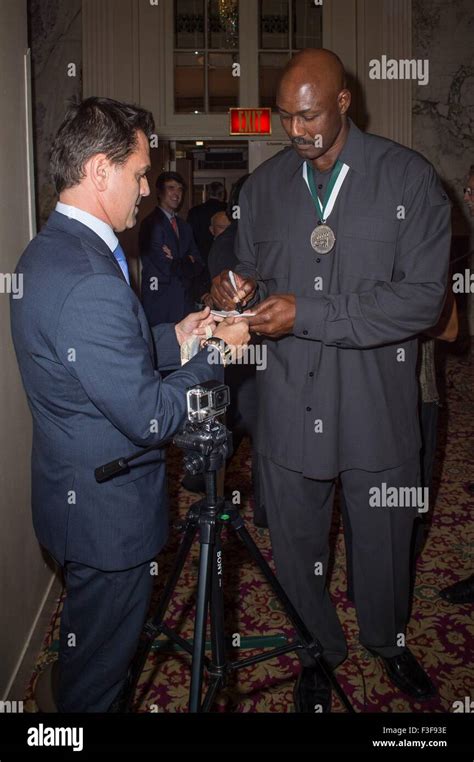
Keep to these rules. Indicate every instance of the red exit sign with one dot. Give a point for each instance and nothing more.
(250, 121)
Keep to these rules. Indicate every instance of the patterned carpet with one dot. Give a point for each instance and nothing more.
(440, 635)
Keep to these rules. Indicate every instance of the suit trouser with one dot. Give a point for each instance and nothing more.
(101, 622)
(299, 512)
(429, 429)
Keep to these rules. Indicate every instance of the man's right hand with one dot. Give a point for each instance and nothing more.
(235, 334)
(224, 294)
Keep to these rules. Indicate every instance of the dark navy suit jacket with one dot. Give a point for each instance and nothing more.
(167, 283)
(199, 217)
(87, 360)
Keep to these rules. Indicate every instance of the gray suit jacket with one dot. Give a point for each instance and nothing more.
(87, 360)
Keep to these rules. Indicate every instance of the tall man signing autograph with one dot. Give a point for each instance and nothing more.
(343, 245)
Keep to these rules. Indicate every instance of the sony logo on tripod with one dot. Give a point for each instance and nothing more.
(219, 562)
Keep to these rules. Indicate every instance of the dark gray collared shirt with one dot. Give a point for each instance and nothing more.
(341, 392)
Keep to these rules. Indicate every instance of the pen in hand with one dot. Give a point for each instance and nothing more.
(238, 306)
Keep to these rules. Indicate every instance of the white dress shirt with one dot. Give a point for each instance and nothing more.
(100, 227)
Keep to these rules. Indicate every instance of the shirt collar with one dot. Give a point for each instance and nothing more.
(99, 227)
(170, 215)
(353, 151)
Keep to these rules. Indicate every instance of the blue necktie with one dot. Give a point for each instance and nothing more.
(122, 260)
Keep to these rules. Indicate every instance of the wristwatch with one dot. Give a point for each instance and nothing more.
(223, 348)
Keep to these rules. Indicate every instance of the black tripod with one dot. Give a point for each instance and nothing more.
(207, 446)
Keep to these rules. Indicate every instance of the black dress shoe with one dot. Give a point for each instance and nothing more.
(408, 675)
(312, 691)
(460, 592)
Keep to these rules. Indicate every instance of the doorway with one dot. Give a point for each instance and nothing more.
(202, 162)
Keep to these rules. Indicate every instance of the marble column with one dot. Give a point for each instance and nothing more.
(443, 110)
(56, 48)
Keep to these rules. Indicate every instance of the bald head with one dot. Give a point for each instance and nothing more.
(322, 69)
(219, 223)
(312, 99)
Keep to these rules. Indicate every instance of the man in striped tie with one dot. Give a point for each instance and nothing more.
(170, 257)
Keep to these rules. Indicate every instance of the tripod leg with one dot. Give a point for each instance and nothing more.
(204, 579)
(310, 643)
(217, 669)
(180, 560)
(217, 605)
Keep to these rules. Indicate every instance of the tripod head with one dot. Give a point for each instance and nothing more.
(207, 443)
(206, 446)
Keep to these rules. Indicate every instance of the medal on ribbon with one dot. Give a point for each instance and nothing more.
(322, 237)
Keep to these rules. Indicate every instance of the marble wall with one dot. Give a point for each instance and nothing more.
(443, 110)
(55, 33)
(443, 116)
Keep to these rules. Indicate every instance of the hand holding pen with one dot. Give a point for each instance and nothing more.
(231, 291)
(239, 306)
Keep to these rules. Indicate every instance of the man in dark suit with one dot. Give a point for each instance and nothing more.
(200, 216)
(200, 219)
(86, 356)
(170, 258)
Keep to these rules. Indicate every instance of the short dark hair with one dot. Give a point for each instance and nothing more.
(166, 177)
(216, 190)
(92, 126)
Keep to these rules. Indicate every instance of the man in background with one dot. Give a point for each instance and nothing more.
(171, 261)
(199, 217)
(462, 592)
(469, 191)
(219, 223)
